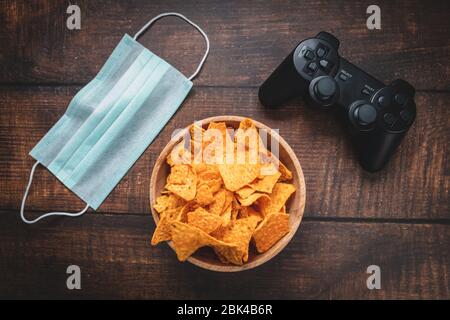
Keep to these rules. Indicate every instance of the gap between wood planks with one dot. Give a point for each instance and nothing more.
(80, 84)
(420, 221)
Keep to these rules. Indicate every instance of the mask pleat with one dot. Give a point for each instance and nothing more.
(106, 113)
(84, 102)
(111, 121)
(129, 137)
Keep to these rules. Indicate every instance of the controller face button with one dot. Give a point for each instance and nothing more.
(309, 55)
(325, 89)
(312, 67)
(389, 119)
(365, 114)
(406, 115)
(400, 98)
(325, 64)
(383, 101)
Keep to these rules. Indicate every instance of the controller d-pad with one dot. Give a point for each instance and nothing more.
(321, 51)
(312, 67)
(309, 55)
(313, 57)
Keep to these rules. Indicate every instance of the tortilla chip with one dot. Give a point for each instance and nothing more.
(162, 231)
(179, 155)
(279, 196)
(170, 201)
(204, 220)
(204, 195)
(247, 136)
(216, 143)
(187, 239)
(239, 234)
(195, 130)
(226, 216)
(222, 127)
(246, 202)
(268, 157)
(222, 200)
(172, 213)
(206, 172)
(245, 192)
(270, 231)
(235, 176)
(188, 207)
(209, 176)
(235, 206)
(266, 183)
(245, 212)
(182, 181)
(229, 199)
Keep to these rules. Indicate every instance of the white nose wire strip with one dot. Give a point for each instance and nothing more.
(148, 24)
(22, 206)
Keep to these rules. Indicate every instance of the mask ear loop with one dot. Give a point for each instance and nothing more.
(148, 24)
(22, 206)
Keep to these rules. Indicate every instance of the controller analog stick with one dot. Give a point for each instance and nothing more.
(365, 114)
(325, 89)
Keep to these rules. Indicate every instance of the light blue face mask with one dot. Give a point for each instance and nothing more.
(111, 121)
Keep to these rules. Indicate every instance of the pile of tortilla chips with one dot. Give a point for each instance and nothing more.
(225, 205)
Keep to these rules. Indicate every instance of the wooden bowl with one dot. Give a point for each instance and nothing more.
(205, 257)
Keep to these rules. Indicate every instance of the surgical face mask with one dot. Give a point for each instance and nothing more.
(111, 121)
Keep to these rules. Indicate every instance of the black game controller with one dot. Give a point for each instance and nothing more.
(378, 116)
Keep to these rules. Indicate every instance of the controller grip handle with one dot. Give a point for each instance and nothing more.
(376, 148)
(283, 84)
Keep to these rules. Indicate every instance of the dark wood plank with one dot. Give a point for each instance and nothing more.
(248, 38)
(414, 185)
(324, 260)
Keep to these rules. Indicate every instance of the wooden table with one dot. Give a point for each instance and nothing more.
(398, 219)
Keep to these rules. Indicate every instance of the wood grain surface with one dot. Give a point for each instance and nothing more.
(325, 260)
(398, 218)
(250, 38)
